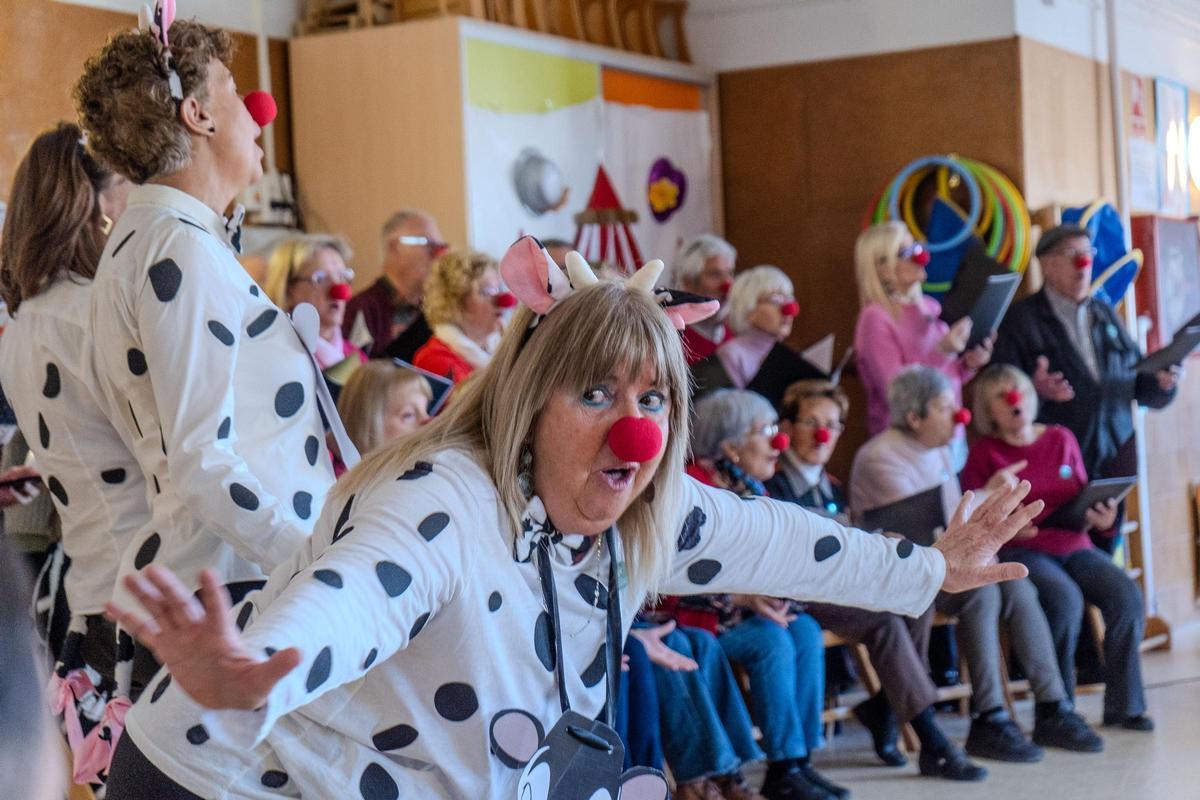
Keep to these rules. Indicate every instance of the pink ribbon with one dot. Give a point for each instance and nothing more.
(63, 692)
(95, 754)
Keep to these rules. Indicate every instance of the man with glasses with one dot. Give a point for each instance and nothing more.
(390, 308)
(1081, 358)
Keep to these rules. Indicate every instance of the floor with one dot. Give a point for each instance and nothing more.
(1162, 765)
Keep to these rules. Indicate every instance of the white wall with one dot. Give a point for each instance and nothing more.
(279, 16)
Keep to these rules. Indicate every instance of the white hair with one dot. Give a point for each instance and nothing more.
(911, 392)
(748, 288)
(694, 254)
(727, 415)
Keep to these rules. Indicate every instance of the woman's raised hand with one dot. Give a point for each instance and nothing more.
(198, 642)
(969, 545)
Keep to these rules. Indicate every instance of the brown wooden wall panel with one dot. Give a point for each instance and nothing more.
(43, 46)
(806, 148)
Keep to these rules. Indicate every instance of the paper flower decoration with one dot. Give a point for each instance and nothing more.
(666, 189)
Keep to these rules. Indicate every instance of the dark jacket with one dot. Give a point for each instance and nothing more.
(378, 305)
(1101, 413)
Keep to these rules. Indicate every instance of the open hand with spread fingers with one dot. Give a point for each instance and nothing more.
(970, 543)
(198, 642)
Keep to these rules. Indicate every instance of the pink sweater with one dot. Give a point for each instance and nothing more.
(886, 345)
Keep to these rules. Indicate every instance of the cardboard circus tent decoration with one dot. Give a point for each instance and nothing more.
(604, 234)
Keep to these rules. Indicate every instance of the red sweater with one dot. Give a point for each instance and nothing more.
(437, 357)
(1055, 473)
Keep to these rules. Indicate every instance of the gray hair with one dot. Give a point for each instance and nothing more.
(695, 253)
(748, 287)
(727, 415)
(398, 220)
(911, 392)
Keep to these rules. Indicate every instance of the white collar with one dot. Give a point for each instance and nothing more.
(536, 525)
(464, 346)
(227, 230)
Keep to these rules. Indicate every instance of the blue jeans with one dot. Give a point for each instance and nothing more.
(706, 729)
(787, 681)
(637, 710)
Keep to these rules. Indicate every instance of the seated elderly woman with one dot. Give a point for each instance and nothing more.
(704, 266)
(454, 626)
(1064, 564)
(761, 310)
(312, 269)
(912, 456)
(381, 402)
(735, 445)
(465, 303)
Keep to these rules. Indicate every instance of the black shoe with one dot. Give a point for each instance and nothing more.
(1068, 731)
(817, 779)
(951, 764)
(795, 785)
(1001, 740)
(877, 717)
(1139, 722)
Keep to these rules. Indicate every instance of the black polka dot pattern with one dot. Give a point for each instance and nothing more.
(243, 497)
(270, 651)
(319, 672)
(243, 617)
(826, 547)
(329, 577)
(418, 626)
(370, 659)
(495, 601)
(689, 537)
(223, 334)
(43, 432)
(197, 734)
(288, 399)
(302, 504)
(590, 589)
(166, 278)
(136, 360)
(703, 571)
(53, 384)
(541, 641)
(162, 687)
(312, 448)
(56, 488)
(113, 476)
(419, 470)
(394, 738)
(595, 671)
(157, 489)
(394, 578)
(261, 323)
(904, 548)
(455, 702)
(147, 551)
(224, 428)
(339, 528)
(376, 784)
(432, 525)
(274, 779)
(254, 290)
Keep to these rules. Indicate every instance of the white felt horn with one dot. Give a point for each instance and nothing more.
(579, 272)
(646, 277)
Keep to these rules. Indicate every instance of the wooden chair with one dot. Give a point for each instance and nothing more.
(599, 24)
(633, 21)
(406, 10)
(670, 13)
(557, 17)
(322, 15)
(508, 12)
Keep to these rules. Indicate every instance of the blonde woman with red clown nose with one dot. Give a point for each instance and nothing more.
(454, 626)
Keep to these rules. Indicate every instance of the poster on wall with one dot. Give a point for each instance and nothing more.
(1171, 122)
(538, 127)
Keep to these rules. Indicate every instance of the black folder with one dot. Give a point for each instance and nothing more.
(916, 518)
(1070, 517)
(782, 367)
(1185, 341)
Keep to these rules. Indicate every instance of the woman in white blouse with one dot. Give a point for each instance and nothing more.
(449, 630)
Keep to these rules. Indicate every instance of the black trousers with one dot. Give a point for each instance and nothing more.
(133, 777)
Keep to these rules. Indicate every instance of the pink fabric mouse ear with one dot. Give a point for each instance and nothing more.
(532, 275)
(164, 15)
(684, 308)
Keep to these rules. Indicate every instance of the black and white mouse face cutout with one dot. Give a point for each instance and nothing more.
(580, 759)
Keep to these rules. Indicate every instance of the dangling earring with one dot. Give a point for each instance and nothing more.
(525, 475)
(106, 223)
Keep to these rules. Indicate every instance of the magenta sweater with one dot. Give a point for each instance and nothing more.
(885, 346)
(1055, 473)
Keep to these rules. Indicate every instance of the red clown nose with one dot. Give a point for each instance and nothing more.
(790, 309)
(1013, 398)
(1083, 261)
(780, 441)
(261, 107)
(635, 439)
(822, 435)
(339, 291)
(505, 300)
(921, 257)
(962, 416)
(725, 287)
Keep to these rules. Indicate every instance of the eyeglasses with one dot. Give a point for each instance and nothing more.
(911, 253)
(1074, 252)
(768, 431)
(776, 299)
(323, 280)
(812, 422)
(434, 247)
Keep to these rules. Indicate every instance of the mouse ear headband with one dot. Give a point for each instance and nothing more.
(159, 22)
(537, 281)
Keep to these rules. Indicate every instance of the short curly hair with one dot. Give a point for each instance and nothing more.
(451, 279)
(124, 97)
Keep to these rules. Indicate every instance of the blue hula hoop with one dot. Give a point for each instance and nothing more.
(972, 189)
